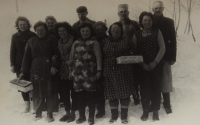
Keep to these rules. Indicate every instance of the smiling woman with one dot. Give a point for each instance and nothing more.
(86, 69)
(18, 44)
(150, 44)
(38, 60)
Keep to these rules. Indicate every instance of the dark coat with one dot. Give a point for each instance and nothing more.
(166, 26)
(17, 48)
(76, 33)
(38, 61)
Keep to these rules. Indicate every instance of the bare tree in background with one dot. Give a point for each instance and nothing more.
(176, 9)
(189, 6)
(17, 6)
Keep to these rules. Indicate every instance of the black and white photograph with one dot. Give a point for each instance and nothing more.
(101, 62)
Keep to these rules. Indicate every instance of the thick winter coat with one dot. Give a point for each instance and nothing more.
(166, 26)
(17, 48)
(38, 61)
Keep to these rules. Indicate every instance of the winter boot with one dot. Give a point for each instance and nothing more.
(38, 116)
(144, 116)
(114, 116)
(155, 116)
(124, 114)
(50, 117)
(27, 107)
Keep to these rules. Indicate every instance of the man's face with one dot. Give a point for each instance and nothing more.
(50, 24)
(100, 30)
(158, 8)
(82, 16)
(123, 13)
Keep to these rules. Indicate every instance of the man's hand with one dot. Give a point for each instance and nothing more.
(171, 62)
(145, 67)
(152, 65)
(53, 71)
(54, 58)
(20, 76)
(13, 69)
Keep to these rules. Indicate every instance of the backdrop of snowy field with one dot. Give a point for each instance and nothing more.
(185, 97)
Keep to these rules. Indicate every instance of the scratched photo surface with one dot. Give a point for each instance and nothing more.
(185, 99)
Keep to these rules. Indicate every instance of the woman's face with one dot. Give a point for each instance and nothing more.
(147, 22)
(85, 32)
(50, 24)
(40, 31)
(116, 31)
(23, 26)
(62, 32)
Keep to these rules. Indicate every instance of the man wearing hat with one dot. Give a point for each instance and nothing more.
(101, 37)
(82, 15)
(129, 28)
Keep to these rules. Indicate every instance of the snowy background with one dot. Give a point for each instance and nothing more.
(186, 71)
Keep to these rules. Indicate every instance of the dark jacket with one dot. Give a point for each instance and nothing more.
(38, 61)
(76, 33)
(17, 47)
(166, 26)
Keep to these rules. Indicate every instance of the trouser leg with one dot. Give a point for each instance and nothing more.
(52, 103)
(81, 103)
(101, 99)
(145, 91)
(91, 97)
(166, 98)
(25, 96)
(74, 105)
(64, 89)
(156, 90)
(39, 104)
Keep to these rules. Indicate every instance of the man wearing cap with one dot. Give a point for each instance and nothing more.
(82, 15)
(129, 28)
(166, 26)
(51, 22)
(101, 37)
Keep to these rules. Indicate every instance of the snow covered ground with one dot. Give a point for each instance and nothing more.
(184, 99)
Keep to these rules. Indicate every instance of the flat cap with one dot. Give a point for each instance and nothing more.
(81, 9)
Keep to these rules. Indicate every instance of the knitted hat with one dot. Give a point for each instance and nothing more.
(51, 18)
(100, 23)
(125, 6)
(81, 9)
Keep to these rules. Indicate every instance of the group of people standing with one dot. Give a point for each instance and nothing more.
(79, 63)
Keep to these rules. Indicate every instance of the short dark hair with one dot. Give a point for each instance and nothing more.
(86, 24)
(40, 23)
(66, 25)
(116, 23)
(145, 13)
(22, 18)
(100, 23)
(81, 9)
